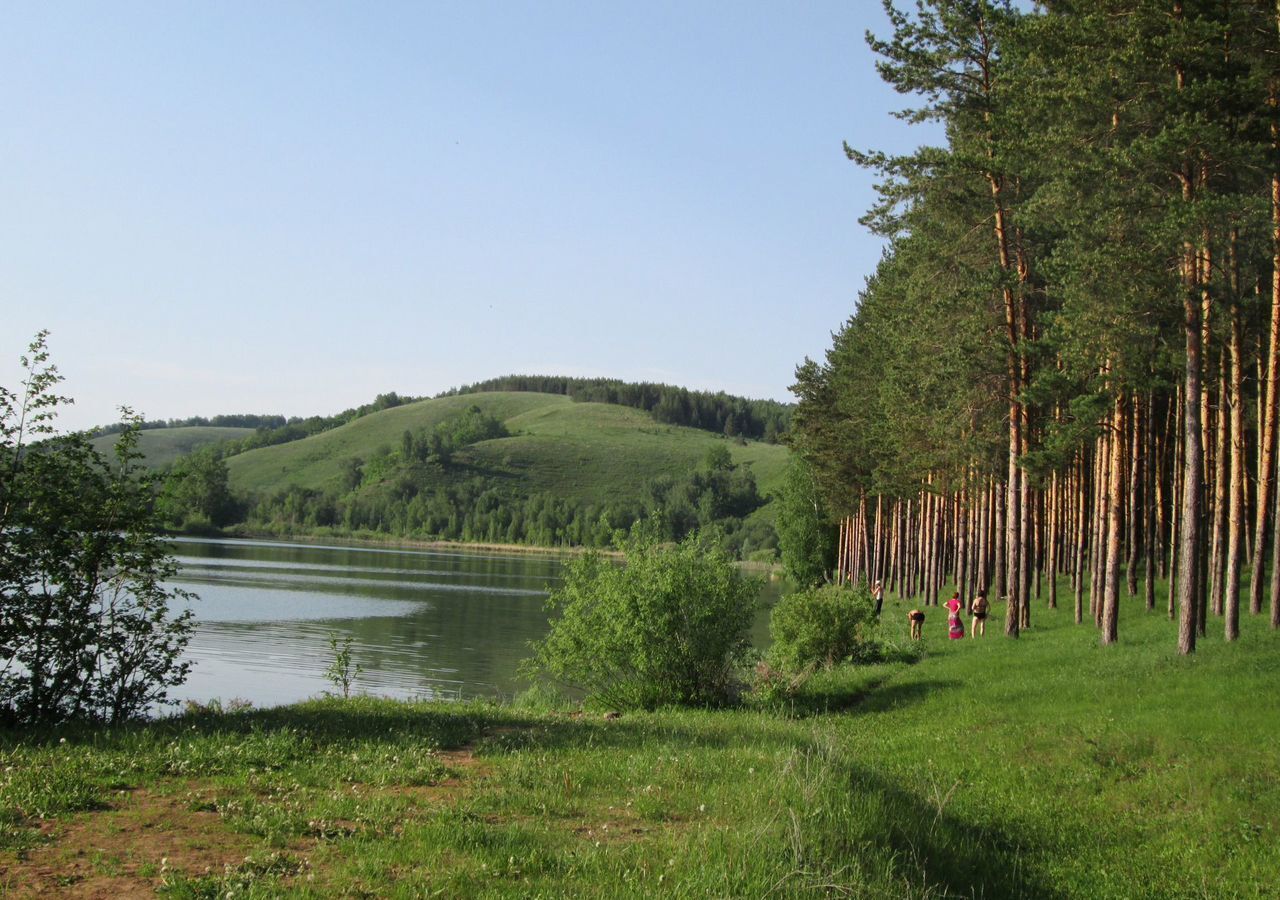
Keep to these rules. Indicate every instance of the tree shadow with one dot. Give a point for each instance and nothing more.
(872, 698)
(947, 855)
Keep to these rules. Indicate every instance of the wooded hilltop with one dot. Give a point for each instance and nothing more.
(1066, 361)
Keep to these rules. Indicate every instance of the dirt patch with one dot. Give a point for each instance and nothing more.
(462, 765)
(122, 851)
(614, 831)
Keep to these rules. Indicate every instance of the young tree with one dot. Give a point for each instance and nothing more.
(806, 539)
(86, 628)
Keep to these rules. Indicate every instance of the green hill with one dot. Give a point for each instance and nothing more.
(582, 451)
(586, 455)
(161, 446)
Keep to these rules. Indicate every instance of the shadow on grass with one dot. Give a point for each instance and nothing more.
(877, 696)
(324, 721)
(936, 851)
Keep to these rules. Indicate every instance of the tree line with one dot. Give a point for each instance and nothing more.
(233, 420)
(1066, 362)
(762, 420)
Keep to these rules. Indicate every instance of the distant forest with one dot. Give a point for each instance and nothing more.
(762, 420)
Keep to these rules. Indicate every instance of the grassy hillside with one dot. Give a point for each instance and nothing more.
(161, 446)
(1045, 767)
(579, 451)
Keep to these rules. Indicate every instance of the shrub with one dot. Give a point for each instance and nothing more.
(666, 627)
(823, 626)
(86, 629)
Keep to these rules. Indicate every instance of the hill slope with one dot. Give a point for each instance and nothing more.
(582, 453)
(161, 446)
(581, 450)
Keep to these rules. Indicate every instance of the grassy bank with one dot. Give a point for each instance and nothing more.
(1043, 767)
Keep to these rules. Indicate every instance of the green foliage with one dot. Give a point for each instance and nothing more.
(824, 626)
(86, 630)
(195, 492)
(440, 443)
(343, 669)
(665, 627)
(719, 493)
(806, 539)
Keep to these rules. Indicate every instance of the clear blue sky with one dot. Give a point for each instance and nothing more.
(290, 208)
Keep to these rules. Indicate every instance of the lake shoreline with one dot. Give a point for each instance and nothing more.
(773, 570)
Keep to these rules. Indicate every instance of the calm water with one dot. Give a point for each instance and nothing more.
(424, 623)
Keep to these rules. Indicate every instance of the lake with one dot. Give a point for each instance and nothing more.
(424, 623)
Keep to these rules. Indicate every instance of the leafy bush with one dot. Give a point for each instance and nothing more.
(666, 627)
(824, 626)
(86, 630)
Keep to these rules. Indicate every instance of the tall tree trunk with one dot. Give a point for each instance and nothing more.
(1151, 508)
(1267, 465)
(1099, 523)
(1115, 478)
(1055, 525)
(1218, 558)
(1178, 476)
(998, 509)
(1189, 550)
(1235, 526)
(1135, 474)
(1082, 495)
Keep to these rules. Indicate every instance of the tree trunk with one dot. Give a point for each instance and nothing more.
(1235, 524)
(1115, 478)
(1267, 440)
(1135, 475)
(1218, 558)
(1189, 549)
(1082, 495)
(1151, 513)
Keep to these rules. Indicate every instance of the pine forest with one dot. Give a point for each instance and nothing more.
(1066, 362)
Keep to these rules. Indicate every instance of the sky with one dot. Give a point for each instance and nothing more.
(290, 208)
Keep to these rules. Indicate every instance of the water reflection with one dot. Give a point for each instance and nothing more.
(424, 623)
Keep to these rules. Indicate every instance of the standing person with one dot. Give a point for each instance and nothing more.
(953, 605)
(955, 627)
(877, 594)
(980, 608)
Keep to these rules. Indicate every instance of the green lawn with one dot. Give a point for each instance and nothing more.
(1042, 767)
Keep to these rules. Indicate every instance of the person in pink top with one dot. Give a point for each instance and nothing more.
(955, 627)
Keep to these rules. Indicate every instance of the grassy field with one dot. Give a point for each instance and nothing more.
(579, 451)
(161, 446)
(1043, 767)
